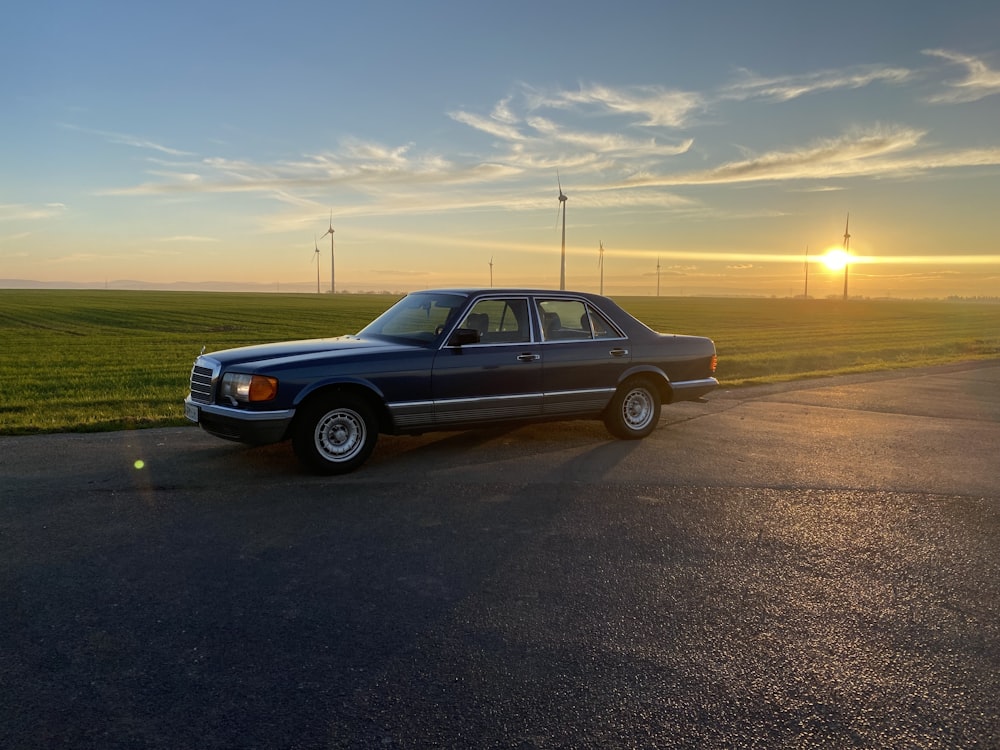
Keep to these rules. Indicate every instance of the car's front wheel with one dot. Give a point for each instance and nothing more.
(335, 434)
(635, 409)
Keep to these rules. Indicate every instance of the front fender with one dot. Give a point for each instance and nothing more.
(350, 382)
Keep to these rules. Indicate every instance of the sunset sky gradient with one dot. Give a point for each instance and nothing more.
(209, 142)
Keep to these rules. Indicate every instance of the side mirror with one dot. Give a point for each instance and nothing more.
(463, 336)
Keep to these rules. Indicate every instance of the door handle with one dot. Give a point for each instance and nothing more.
(528, 357)
(619, 352)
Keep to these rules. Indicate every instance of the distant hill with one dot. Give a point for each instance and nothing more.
(179, 286)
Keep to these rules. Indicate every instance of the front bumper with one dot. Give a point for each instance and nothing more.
(256, 427)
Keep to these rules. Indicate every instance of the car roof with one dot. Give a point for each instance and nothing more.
(470, 291)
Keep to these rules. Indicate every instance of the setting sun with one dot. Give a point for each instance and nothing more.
(836, 259)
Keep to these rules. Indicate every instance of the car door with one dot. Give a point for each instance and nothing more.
(497, 377)
(584, 355)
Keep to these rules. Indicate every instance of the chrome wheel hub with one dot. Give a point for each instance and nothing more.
(340, 434)
(637, 409)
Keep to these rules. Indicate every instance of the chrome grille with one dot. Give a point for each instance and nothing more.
(203, 376)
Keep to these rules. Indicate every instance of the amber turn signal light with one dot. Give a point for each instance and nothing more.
(262, 388)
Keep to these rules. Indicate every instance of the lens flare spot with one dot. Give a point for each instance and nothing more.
(139, 463)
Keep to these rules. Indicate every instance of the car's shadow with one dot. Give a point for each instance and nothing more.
(553, 447)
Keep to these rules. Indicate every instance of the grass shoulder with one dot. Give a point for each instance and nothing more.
(90, 361)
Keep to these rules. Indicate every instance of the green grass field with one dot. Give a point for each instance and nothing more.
(108, 360)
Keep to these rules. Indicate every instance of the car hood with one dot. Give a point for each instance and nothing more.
(305, 349)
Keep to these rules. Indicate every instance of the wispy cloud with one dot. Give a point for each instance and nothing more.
(980, 80)
(359, 164)
(187, 238)
(174, 176)
(381, 175)
(609, 141)
(785, 88)
(651, 106)
(823, 158)
(130, 140)
(382, 272)
(26, 212)
(878, 152)
(505, 130)
(80, 258)
(537, 134)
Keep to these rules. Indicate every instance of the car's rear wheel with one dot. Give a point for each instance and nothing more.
(635, 409)
(335, 433)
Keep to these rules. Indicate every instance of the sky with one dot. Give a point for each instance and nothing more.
(711, 148)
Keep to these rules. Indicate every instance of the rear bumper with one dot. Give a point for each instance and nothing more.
(257, 427)
(691, 390)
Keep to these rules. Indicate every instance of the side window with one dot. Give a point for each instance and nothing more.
(499, 321)
(564, 319)
(603, 329)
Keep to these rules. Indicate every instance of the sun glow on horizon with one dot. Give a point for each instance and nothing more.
(836, 259)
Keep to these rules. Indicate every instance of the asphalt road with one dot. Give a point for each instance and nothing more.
(813, 565)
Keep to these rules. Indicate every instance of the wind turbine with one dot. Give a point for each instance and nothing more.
(316, 260)
(847, 245)
(562, 263)
(805, 294)
(491, 272)
(657, 275)
(333, 278)
(600, 263)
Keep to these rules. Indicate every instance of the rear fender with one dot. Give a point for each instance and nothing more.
(654, 374)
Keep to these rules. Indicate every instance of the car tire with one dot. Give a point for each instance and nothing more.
(634, 411)
(335, 433)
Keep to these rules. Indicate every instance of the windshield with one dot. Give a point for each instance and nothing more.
(417, 318)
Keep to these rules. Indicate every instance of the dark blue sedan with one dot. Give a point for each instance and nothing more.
(446, 360)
